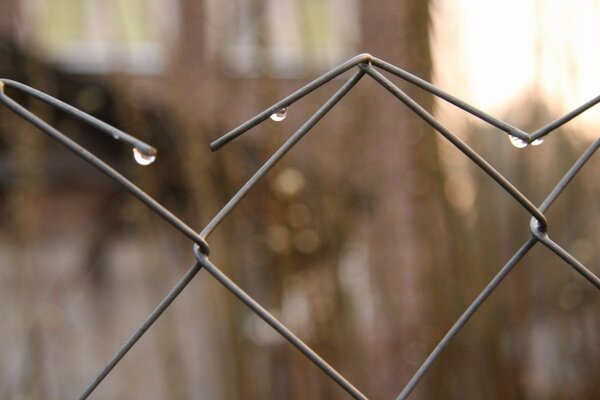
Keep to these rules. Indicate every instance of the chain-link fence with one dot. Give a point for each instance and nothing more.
(364, 65)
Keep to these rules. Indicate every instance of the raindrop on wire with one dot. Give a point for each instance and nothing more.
(143, 158)
(518, 143)
(280, 114)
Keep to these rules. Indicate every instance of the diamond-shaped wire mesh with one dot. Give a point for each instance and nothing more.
(365, 65)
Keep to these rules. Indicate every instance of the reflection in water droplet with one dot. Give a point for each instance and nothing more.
(141, 158)
(518, 143)
(280, 114)
(537, 142)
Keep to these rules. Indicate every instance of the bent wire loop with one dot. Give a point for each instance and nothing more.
(115, 133)
(365, 64)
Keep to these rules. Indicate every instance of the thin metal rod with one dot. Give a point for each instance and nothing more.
(162, 306)
(400, 73)
(568, 258)
(299, 134)
(564, 119)
(83, 116)
(191, 273)
(286, 102)
(570, 175)
(543, 237)
(473, 307)
(104, 168)
(364, 62)
(278, 326)
(463, 147)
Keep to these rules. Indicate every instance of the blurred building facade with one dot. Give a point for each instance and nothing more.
(368, 240)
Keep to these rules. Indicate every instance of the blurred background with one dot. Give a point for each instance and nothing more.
(368, 240)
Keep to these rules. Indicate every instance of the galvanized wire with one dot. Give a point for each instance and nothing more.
(89, 157)
(365, 64)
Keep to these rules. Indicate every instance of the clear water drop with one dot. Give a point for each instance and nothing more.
(142, 158)
(537, 142)
(280, 114)
(518, 143)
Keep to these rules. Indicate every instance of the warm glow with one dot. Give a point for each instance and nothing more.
(492, 54)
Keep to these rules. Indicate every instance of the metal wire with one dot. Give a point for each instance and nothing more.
(278, 326)
(162, 306)
(459, 144)
(365, 65)
(462, 320)
(291, 142)
(89, 157)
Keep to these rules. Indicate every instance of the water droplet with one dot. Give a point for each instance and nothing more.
(280, 115)
(537, 142)
(518, 143)
(142, 158)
